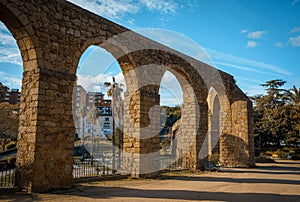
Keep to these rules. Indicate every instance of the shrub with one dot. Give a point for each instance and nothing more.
(215, 158)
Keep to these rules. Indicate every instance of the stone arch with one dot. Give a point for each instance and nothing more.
(196, 121)
(219, 118)
(56, 37)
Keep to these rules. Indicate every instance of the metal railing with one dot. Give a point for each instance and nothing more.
(91, 168)
(170, 164)
(85, 169)
(7, 177)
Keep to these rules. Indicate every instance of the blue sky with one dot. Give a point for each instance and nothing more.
(255, 41)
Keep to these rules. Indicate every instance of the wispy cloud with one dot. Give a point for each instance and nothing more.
(170, 90)
(255, 81)
(244, 31)
(96, 83)
(108, 8)
(244, 68)
(294, 2)
(10, 80)
(9, 49)
(295, 41)
(167, 7)
(295, 30)
(256, 34)
(115, 9)
(179, 42)
(231, 59)
(251, 44)
(278, 44)
(254, 89)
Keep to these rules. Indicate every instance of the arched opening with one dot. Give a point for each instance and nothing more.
(214, 126)
(98, 114)
(171, 98)
(10, 94)
(183, 133)
(218, 114)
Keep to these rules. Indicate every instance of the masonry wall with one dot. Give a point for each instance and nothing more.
(52, 36)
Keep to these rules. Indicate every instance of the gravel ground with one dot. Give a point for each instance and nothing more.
(267, 182)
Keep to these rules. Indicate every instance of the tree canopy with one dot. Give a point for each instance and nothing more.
(276, 115)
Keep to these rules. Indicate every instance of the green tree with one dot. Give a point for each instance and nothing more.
(268, 116)
(276, 115)
(292, 112)
(293, 95)
(172, 115)
(9, 119)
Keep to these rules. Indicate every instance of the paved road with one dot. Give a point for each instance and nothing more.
(267, 182)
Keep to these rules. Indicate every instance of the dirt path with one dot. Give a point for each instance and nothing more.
(267, 182)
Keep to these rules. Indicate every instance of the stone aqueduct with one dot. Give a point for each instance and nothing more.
(52, 36)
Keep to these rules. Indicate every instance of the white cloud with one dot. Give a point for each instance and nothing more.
(164, 6)
(96, 83)
(170, 90)
(295, 41)
(9, 51)
(115, 9)
(108, 8)
(254, 90)
(256, 34)
(10, 80)
(251, 44)
(295, 30)
(244, 31)
(278, 44)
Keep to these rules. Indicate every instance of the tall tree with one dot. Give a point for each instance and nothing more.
(293, 95)
(268, 111)
(274, 97)
(114, 90)
(277, 114)
(292, 110)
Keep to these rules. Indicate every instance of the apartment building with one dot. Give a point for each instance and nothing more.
(99, 124)
(12, 96)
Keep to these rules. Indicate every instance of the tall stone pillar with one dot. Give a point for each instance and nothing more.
(141, 132)
(237, 145)
(46, 131)
(191, 147)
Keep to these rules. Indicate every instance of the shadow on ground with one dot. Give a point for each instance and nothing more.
(98, 192)
(92, 191)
